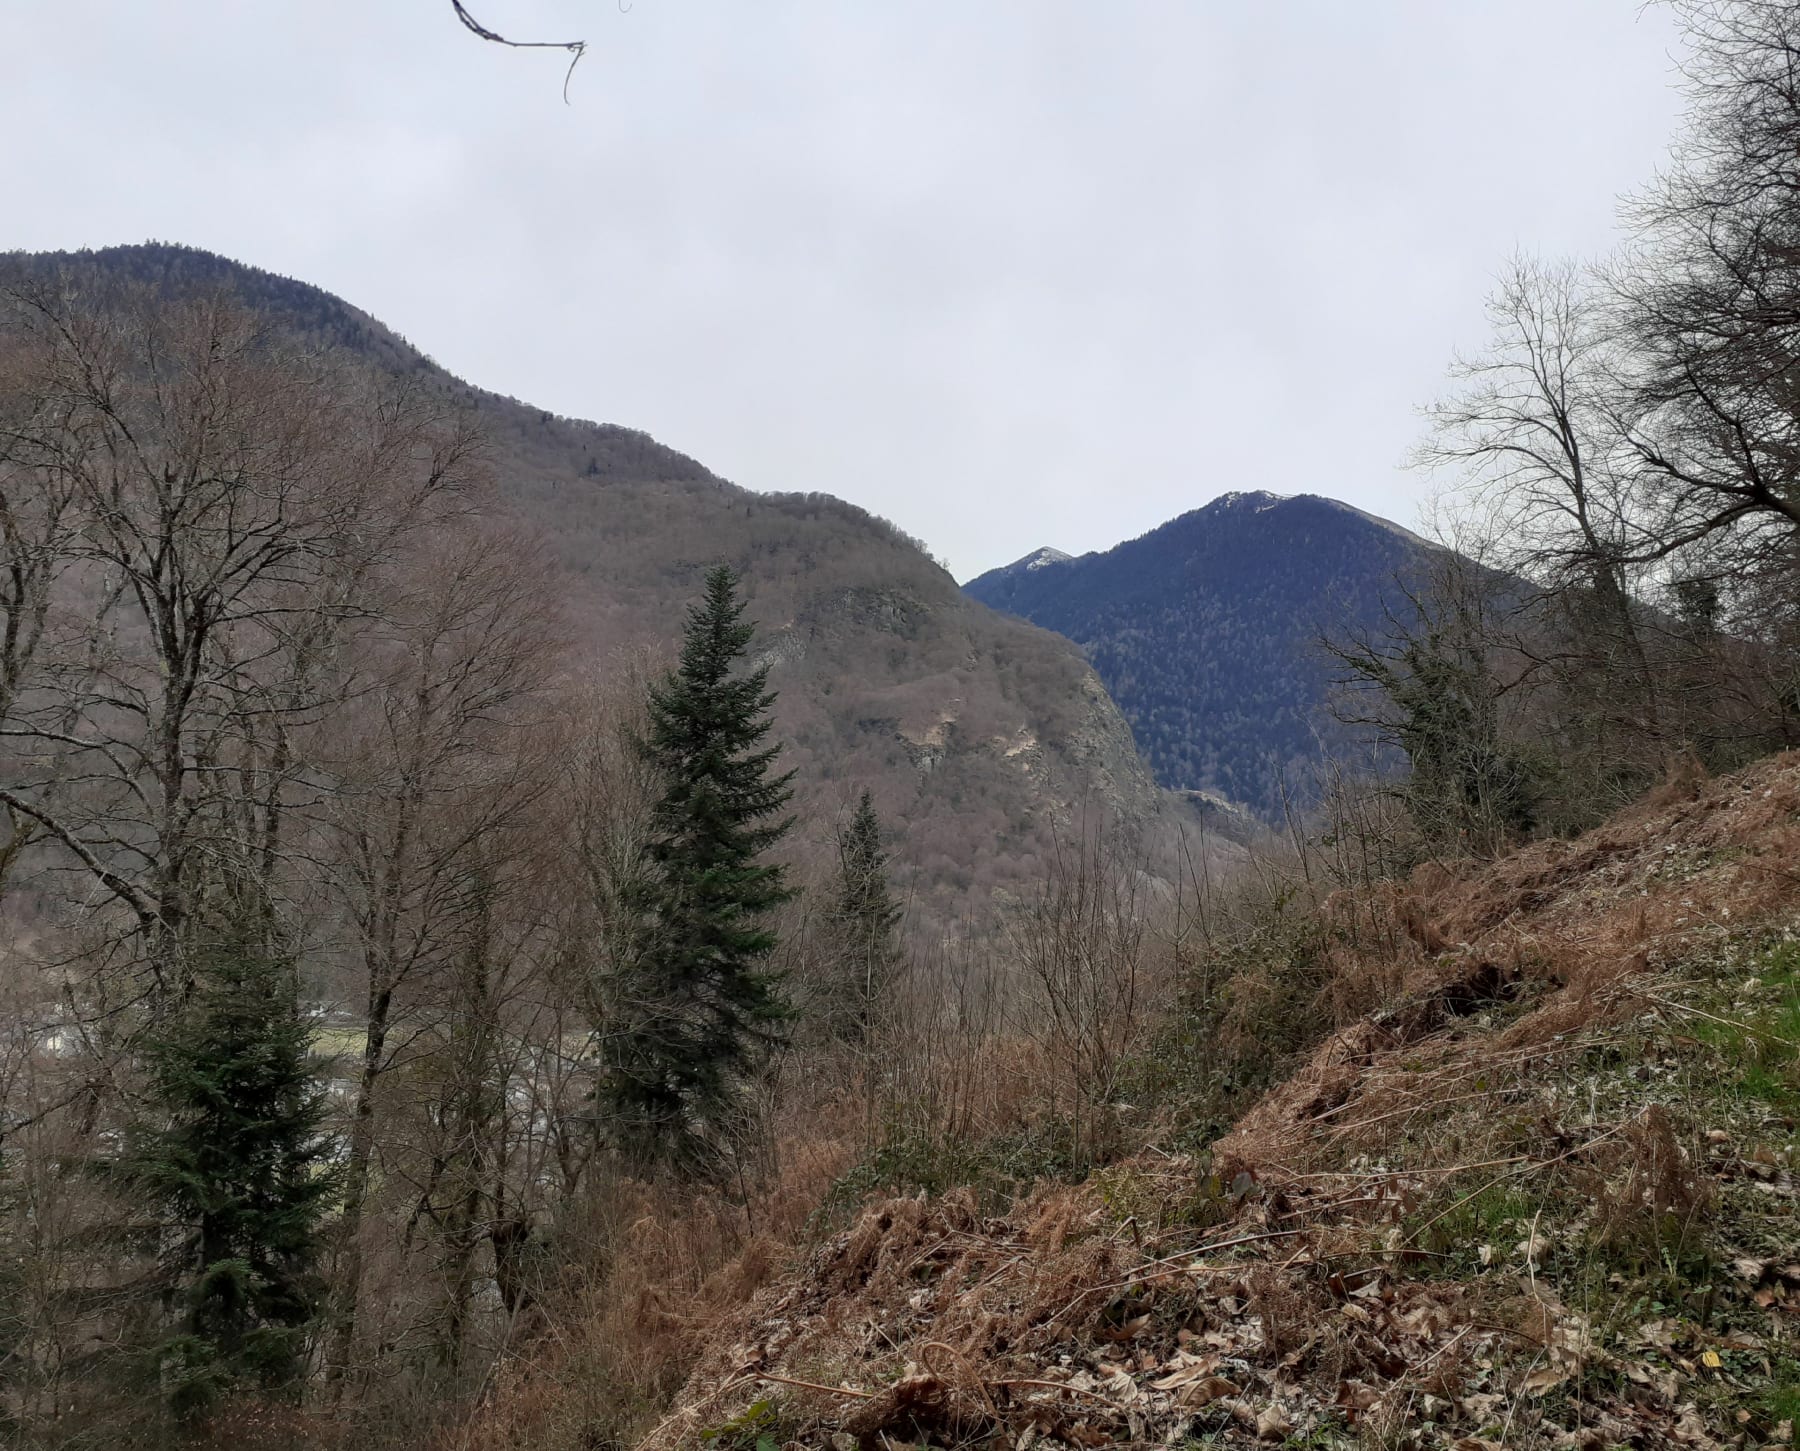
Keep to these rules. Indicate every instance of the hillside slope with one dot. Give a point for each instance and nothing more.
(1544, 1196)
(974, 730)
(1204, 630)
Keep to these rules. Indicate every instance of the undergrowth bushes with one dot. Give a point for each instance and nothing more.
(1111, 1036)
(1250, 1003)
(1525, 1132)
(910, 1158)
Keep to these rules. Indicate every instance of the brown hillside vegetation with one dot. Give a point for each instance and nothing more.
(1545, 1195)
(975, 731)
(318, 734)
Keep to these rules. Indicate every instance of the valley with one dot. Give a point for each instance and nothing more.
(511, 940)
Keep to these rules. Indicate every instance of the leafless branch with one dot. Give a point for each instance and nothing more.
(575, 48)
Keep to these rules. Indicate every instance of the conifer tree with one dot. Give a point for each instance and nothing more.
(696, 1008)
(234, 1172)
(864, 917)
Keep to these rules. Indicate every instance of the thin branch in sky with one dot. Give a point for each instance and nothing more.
(576, 48)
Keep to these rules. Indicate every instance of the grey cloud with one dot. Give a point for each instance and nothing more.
(1010, 272)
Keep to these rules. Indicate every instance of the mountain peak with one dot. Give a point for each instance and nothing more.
(1260, 501)
(1205, 630)
(1257, 501)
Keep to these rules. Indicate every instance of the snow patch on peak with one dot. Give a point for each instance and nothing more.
(1260, 500)
(1039, 558)
(1387, 524)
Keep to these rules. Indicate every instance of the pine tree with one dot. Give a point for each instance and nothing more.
(234, 1170)
(863, 920)
(695, 1008)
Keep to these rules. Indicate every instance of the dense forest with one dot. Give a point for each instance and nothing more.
(1206, 632)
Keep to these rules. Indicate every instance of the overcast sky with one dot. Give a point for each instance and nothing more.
(1008, 272)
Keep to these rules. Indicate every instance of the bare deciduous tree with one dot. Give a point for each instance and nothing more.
(1537, 439)
(1709, 300)
(432, 770)
(1082, 944)
(231, 496)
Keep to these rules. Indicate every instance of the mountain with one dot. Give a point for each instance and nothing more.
(977, 733)
(1204, 631)
(1040, 559)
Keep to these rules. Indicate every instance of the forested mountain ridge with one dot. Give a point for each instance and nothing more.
(1204, 630)
(976, 732)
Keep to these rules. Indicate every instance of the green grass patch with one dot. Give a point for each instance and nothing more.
(1757, 1032)
(1458, 1224)
(338, 1043)
(1781, 1402)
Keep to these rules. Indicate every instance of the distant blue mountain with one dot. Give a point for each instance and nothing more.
(1205, 631)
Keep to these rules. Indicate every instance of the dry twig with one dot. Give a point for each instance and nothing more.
(576, 48)
(812, 1385)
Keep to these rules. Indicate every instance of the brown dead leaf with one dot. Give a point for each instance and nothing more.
(1205, 1392)
(1183, 1370)
(1426, 1320)
(1127, 1331)
(1545, 1378)
(1665, 1382)
(1690, 1429)
(1122, 1388)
